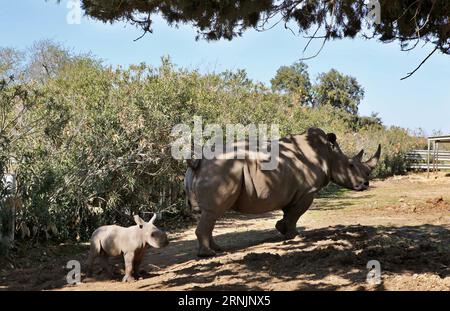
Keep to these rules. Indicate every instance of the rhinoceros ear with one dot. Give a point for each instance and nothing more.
(138, 220)
(333, 141)
(332, 138)
(360, 155)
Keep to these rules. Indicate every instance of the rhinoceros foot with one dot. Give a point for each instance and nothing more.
(215, 247)
(291, 234)
(206, 252)
(281, 226)
(128, 279)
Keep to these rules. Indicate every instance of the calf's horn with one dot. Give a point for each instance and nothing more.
(153, 219)
(373, 161)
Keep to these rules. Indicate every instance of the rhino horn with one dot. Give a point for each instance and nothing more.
(153, 219)
(359, 156)
(373, 161)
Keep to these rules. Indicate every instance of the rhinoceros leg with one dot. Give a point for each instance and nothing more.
(281, 224)
(92, 255)
(288, 225)
(106, 265)
(217, 191)
(138, 256)
(204, 234)
(128, 258)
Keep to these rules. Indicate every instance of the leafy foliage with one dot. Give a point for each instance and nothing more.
(405, 21)
(294, 80)
(332, 88)
(339, 91)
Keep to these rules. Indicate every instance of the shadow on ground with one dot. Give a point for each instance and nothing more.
(338, 251)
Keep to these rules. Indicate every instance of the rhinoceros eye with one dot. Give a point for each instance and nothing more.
(352, 165)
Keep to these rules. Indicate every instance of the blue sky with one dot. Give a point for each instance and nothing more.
(422, 101)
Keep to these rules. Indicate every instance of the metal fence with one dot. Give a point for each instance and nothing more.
(418, 160)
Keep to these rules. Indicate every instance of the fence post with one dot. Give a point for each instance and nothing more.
(437, 156)
(428, 159)
(434, 157)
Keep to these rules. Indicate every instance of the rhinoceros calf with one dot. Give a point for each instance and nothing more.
(306, 164)
(131, 242)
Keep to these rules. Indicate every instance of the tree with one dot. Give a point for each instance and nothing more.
(339, 91)
(45, 59)
(406, 21)
(293, 80)
(41, 61)
(11, 62)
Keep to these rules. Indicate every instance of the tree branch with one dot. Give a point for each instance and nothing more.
(420, 65)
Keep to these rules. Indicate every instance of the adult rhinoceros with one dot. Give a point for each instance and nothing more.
(306, 163)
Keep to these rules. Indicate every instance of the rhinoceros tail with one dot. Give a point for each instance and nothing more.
(193, 163)
(249, 170)
(191, 199)
(96, 245)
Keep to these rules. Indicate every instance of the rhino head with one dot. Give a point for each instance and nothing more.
(351, 172)
(150, 233)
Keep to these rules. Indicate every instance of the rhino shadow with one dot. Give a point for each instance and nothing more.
(413, 249)
(338, 251)
(186, 250)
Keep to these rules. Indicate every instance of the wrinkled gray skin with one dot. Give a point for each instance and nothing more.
(131, 242)
(306, 164)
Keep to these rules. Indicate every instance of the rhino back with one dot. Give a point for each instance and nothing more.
(302, 168)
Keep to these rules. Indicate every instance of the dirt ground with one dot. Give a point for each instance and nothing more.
(403, 222)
